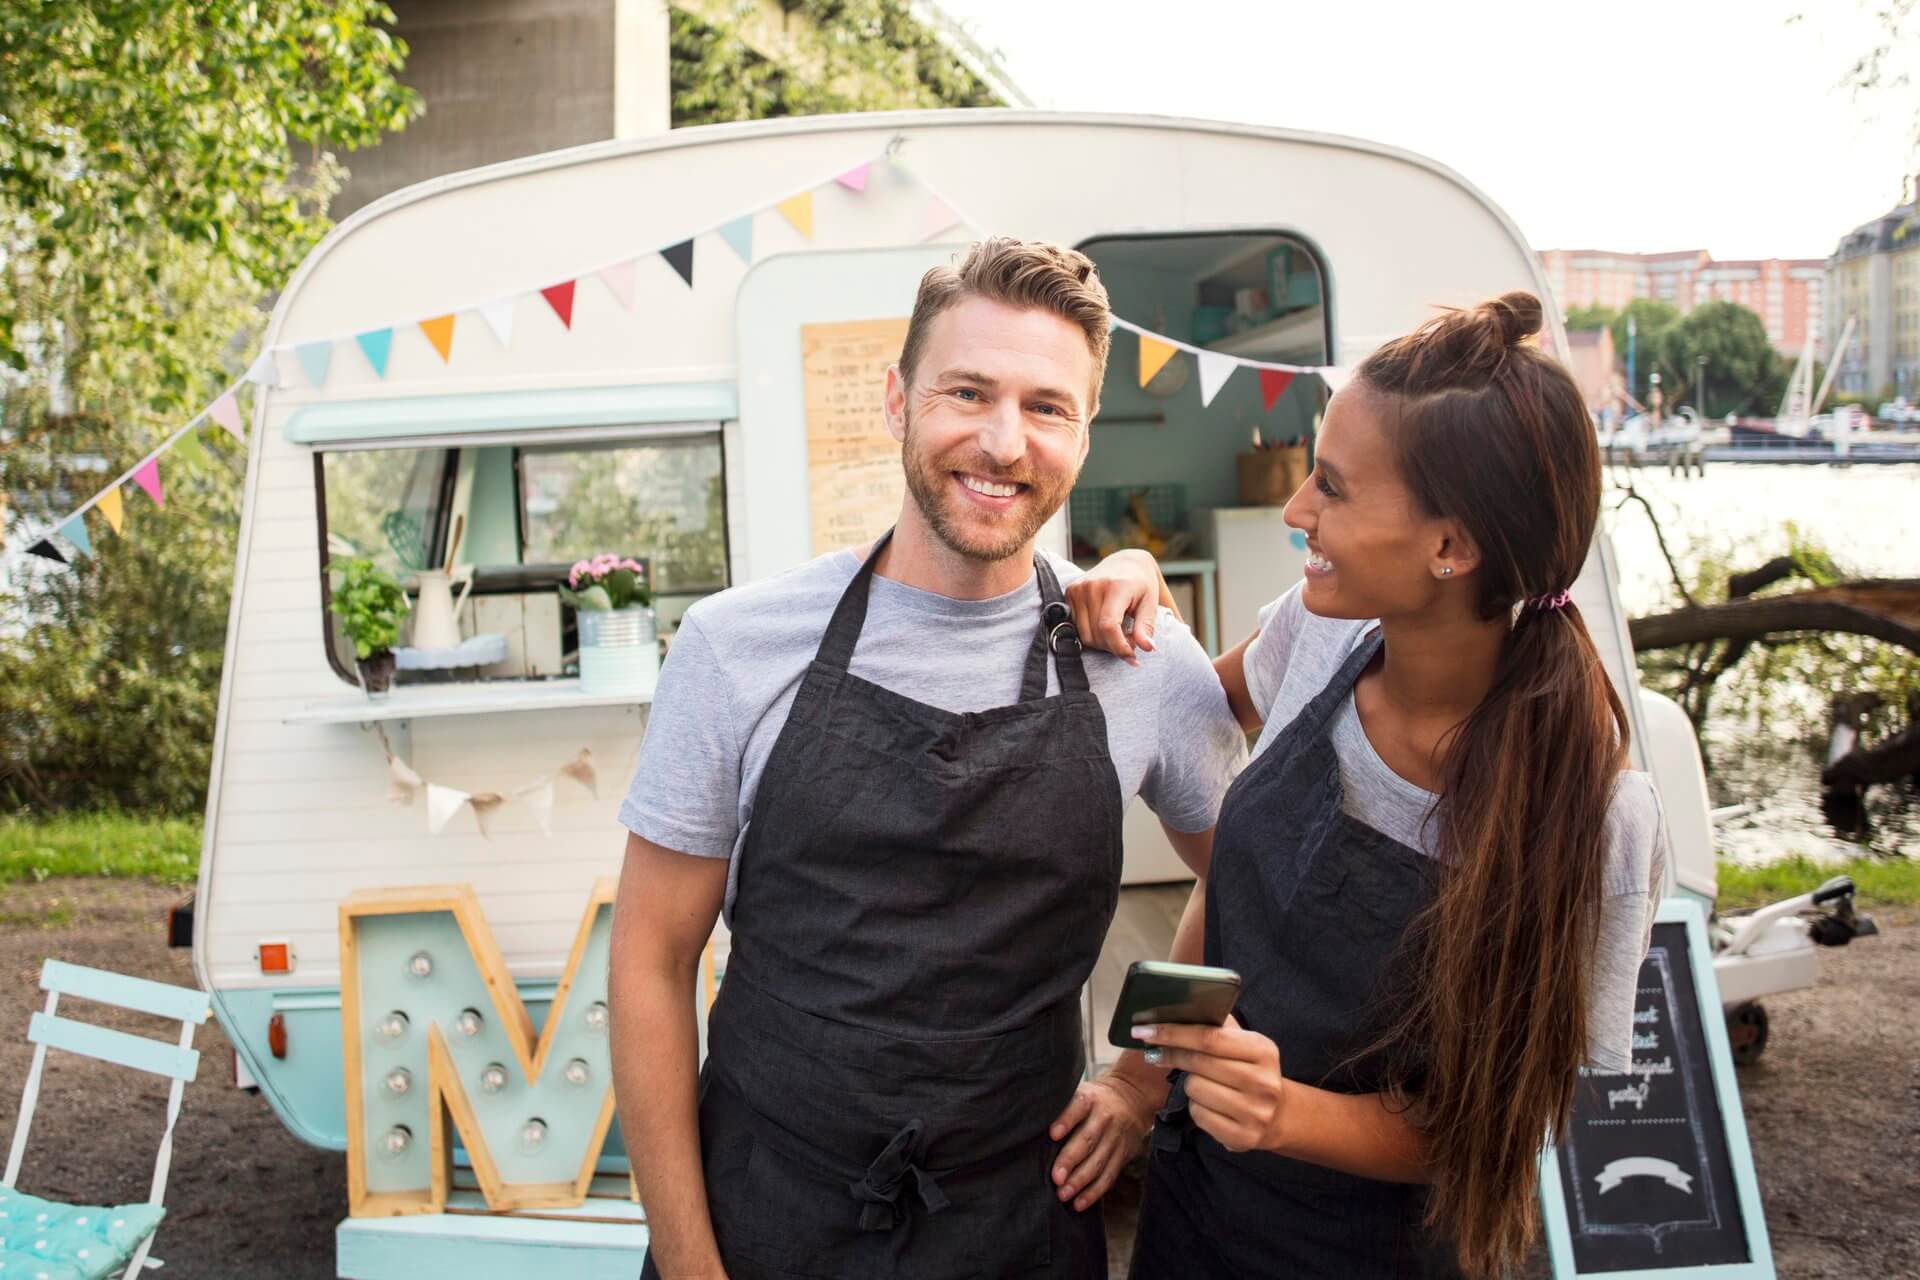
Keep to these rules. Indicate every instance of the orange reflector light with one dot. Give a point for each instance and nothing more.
(277, 1036)
(275, 957)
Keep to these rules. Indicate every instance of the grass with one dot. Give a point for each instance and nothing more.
(1885, 882)
(122, 846)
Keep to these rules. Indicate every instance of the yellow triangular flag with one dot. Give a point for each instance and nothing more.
(1153, 355)
(109, 506)
(439, 331)
(799, 211)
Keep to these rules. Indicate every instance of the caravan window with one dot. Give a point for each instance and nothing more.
(523, 513)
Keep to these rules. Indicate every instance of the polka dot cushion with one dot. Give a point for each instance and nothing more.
(48, 1240)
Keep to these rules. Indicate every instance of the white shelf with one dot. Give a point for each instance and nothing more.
(423, 701)
(1295, 338)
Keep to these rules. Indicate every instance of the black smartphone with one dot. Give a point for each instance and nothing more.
(1161, 991)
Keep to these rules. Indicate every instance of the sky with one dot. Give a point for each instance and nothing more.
(1631, 125)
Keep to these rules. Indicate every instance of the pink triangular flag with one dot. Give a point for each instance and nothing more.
(147, 476)
(936, 216)
(226, 412)
(854, 179)
(619, 281)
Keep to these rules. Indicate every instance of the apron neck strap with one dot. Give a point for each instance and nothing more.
(1056, 636)
(1327, 701)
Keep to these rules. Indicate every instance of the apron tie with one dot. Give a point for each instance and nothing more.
(878, 1190)
(1173, 1121)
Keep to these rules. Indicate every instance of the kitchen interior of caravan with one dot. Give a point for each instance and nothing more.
(1200, 485)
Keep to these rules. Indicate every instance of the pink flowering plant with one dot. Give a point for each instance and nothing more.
(607, 582)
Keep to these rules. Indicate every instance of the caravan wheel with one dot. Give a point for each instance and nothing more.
(1747, 1032)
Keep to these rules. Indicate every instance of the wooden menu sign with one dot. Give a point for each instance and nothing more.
(854, 481)
(1654, 1177)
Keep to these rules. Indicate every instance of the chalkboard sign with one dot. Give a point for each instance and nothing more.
(1655, 1178)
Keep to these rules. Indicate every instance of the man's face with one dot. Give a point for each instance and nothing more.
(994, 425)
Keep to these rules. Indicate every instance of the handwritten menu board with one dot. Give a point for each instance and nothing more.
(854, 481)
(1648, 1180)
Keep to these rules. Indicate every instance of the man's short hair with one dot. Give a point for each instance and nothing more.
(1019, 273)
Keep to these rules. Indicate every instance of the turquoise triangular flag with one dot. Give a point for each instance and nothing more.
(314, 357)
(376, 343)
(739, 236)
(74, 530)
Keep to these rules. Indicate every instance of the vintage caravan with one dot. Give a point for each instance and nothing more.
(670, 348)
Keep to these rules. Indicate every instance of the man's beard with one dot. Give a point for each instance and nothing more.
(928, 482)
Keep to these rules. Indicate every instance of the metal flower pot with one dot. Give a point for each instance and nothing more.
(619, 652)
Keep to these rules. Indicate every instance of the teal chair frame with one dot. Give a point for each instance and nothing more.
(181, 1062)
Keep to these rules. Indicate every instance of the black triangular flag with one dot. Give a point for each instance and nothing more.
(46, 551)
(681, 257)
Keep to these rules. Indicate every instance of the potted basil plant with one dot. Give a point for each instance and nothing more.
(619, 643)
(369, 603)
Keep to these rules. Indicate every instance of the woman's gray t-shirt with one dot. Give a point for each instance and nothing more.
(1293, 657)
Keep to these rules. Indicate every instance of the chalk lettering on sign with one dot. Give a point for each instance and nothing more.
(1646, 1017)
(854, 480)
(1634, 1093)
(1646, 1040)
(1647, 1067)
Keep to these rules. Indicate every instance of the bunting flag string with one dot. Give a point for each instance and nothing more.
(444, 802)
(314, 357)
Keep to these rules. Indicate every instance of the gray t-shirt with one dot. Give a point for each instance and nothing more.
(738, 657)
(1294, 656)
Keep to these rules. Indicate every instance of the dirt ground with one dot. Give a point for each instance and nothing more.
(1833, 1109)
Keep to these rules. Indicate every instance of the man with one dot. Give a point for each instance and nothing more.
(918, 849)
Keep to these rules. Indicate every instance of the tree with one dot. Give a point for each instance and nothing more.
(1743, 370)
(1651, 318)
(1596, 316)
(150, 198)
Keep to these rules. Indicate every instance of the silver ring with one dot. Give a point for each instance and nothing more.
(1053, 636)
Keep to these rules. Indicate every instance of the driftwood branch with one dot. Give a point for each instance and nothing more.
(1886, 609)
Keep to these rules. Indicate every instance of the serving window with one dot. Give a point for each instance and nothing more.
(520, 513)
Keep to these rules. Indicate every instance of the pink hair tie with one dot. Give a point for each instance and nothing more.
(1544, 604)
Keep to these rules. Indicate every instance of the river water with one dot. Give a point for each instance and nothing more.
(1868, 519)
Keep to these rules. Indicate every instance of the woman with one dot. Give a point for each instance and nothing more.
(1436, 877)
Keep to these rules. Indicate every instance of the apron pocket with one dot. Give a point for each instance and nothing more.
(800, 1220)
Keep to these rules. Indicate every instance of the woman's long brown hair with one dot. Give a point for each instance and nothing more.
(1492, 434)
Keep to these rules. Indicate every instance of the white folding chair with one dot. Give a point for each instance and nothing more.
(179, 1062)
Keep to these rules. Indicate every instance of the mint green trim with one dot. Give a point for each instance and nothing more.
(1553, 1205)
(344, 421)
(113, 1046)
(482, 1247)
(106, 987)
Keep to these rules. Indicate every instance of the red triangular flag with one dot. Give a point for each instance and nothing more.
(1272, 383)
(560, 298)
(148, 478)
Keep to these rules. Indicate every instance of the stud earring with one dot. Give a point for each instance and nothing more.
(1446, 571)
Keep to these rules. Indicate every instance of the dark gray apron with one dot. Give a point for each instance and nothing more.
(921, 896)
(1310, 905)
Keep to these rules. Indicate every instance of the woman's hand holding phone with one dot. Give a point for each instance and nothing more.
(1101, 1129)
(1234, 1088)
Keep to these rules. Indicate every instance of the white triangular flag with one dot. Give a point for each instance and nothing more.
(442, 804)
(1215, 369)
(484, 803)
(264, 372)
(539, 798)
(499, 318)
(404, 781)
(1334, 377)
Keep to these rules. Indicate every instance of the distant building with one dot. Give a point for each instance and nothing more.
(1590, 359)
(1873, 278)
(1788, 294)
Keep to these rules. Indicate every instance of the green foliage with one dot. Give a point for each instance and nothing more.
(1744, 373)
(1597, 316)
(716, 77)
(369, 603)
(1651, 319)
(150, 198)
(164, 850)
(1884, 882)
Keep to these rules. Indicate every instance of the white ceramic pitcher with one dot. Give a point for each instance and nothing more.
(436, 622)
